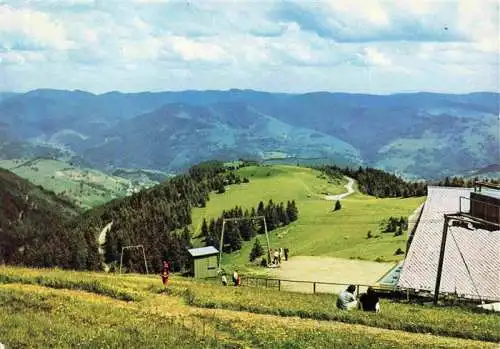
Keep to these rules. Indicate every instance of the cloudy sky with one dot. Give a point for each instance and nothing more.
(341, 45)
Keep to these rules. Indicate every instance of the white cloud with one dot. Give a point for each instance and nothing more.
(30, 28)
(373, 57)
(192, 50)
(371, 11)
(271, 45)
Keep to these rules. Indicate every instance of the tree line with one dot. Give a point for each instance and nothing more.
(395, 225)
(463, 182)
(378, 183)
(235, 232)
(382, 184)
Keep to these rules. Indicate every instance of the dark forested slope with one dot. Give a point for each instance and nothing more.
(34, 228)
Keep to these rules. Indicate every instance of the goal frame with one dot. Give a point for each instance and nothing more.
(252, 218)
(134, 247)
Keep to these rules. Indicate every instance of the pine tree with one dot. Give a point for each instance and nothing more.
(204, 228)
(399, 232)
(233, 238)
(260, 209)
(211, 227)
(246, 230)
(291, 211)
(338, 206)
(257, 250)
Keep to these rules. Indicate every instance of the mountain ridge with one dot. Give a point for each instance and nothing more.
(406, 132)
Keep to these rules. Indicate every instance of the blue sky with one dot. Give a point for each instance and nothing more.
(351, 46)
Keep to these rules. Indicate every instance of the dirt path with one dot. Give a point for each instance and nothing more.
(328, 269)
(349, 187)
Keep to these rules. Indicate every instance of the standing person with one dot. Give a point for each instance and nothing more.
(236, 278)
(165, 273)
(286, 253)
(346, 299)
(369, 301)
(276, 257)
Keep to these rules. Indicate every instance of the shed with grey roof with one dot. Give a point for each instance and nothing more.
(471, 264)
(204, 262)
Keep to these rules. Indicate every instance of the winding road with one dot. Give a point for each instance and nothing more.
(350, 189)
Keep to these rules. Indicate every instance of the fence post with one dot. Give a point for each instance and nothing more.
(314, 287)
(357, 290)
(279, 285)
(266, 283)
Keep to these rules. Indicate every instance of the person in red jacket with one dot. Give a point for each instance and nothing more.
(164, 274)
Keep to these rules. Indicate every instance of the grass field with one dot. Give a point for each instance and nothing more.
(318, 231)
(58, 309)
(86, 187)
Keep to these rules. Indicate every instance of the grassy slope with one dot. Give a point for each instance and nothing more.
(54, 308)
(58, 176)
(318, 231)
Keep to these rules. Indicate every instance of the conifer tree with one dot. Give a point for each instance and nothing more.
(338, 206)
(257, 250)
(204, 228)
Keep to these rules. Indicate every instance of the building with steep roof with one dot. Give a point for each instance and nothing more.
(471, 255)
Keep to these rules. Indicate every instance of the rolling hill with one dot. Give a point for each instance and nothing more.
(318, 231)
(418, 135)
(179, 135)
(83, 186)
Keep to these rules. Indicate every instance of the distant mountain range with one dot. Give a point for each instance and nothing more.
(419, 135)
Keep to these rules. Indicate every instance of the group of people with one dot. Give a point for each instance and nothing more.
(236, 279)
(368, 301)
(346, 300)
(279, 254)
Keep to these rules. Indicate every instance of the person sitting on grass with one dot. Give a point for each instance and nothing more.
(224, 280)
(369, 301)
(346, 299)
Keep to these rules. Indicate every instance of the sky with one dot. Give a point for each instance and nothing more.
(360, 46)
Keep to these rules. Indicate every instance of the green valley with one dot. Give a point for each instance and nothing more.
(83, 186)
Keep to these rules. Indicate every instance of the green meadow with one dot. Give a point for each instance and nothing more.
(319, 231)
(50, 308)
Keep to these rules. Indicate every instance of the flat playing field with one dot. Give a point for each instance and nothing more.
(328, 269)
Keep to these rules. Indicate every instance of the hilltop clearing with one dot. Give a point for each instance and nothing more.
(319, 230)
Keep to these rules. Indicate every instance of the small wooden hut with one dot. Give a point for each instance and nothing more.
(204, 262)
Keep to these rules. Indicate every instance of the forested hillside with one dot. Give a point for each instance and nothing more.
(379, 183)
(34, 228)
(157, 218)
